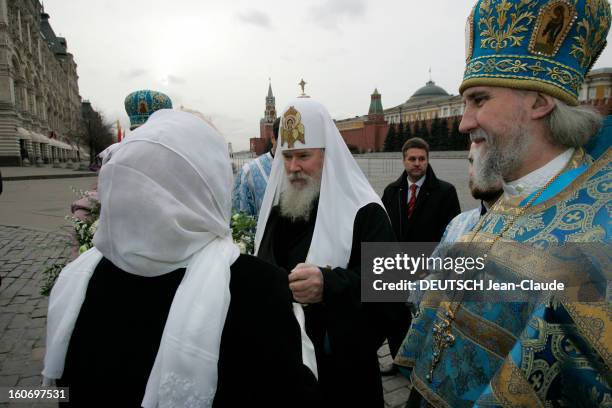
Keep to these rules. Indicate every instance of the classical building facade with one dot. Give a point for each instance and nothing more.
(266, 132)
(426, 104)
(597, 90)
(40, 106)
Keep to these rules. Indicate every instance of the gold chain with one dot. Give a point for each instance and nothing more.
(442, 333)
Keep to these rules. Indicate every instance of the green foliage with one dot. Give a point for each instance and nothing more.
(50, 275)
(407, 135)
(441, 136)
(444, 135)
(420, 130)
(399, 139)
(98, 134)
(390, 141)
(434, 142)
(243, 231)
(459, 141)
(83, 231)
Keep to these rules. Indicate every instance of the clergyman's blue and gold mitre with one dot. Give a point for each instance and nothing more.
(539, 45)
(139, 105)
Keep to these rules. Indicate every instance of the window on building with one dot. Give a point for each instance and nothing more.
(19, 25)
(591, 94)
(29, 38)
(17, 98)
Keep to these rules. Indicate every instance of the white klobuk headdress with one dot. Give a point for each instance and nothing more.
(306, 124)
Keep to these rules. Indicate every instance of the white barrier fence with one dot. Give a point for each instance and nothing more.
(383, 168)
(377, 166)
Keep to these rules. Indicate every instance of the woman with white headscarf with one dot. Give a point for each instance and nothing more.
(164, 311)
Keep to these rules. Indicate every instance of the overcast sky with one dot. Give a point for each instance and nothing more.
(217, 56)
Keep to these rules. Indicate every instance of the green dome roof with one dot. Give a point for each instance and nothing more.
(429, 90)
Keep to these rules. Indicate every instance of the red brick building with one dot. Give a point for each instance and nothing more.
(366, 133)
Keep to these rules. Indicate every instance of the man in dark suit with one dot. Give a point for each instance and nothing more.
(420, 206)
(418, 203)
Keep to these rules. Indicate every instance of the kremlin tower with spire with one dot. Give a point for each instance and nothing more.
(260, 144)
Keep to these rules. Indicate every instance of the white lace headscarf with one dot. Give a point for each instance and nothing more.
(165, 204)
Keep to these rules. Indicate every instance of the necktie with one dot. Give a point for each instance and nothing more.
(413, 189)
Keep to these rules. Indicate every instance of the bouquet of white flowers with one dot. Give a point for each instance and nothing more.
(85, 215)
(243, 231)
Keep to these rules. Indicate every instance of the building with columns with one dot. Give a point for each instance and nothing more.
(597, 90)
(40, 106)
(432, 101)
(266, 132)
(427, 103)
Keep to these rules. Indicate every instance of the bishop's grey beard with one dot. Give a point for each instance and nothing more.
(496, 159)
(485, 184)
(296, 203)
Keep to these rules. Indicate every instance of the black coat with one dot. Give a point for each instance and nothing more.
(353, 331)
(119, 328)
(436, 205)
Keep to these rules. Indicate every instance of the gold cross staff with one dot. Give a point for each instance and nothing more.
(443, 339)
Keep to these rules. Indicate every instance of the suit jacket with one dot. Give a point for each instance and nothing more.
(436, 205)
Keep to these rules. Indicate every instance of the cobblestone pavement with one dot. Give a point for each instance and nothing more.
(24, 254)
(396, 388)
